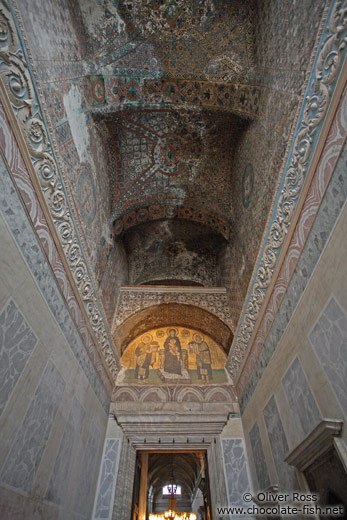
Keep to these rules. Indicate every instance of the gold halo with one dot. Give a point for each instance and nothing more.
(148, 340)
(172, 328)
(199, 336)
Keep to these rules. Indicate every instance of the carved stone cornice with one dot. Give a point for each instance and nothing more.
(134, 298)
(168, 431)
(18, 83)
(319, 441)
(318, 99)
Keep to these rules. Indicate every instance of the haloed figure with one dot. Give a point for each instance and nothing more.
(172, 353)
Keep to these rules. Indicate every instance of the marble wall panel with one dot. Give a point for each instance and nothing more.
(329, 211)
(88, 472)
(300, 398)
(329, 340)
(58, 483)
(17, 341)
(279, 446)
(24, 458)
(259, 458)
(325, 168)
(235, 470)
(27, 242)
(109, 469)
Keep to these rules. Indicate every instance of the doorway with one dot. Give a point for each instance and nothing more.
(186, 470)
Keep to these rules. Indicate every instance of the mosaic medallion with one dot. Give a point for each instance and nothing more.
(86, 195)
(247, 185)
(167, 154)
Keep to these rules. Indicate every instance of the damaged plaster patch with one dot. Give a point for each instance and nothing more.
(93, 13)
(78, 122)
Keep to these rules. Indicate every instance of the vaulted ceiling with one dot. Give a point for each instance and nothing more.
(179, 102)
(171, 122)
(187, 469)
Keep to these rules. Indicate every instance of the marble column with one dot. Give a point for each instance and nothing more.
(218, 492)
(125, 482)
(143, 486)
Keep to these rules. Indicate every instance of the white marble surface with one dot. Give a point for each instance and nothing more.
(88, 473)
(17, 341)
(300, 399)
(259, 458)
(279, 446)
(24, 458)
(107, 481)
(59, 480)
(329, 340)
(235, 470)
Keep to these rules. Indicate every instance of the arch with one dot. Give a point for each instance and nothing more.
(158, 395)
(218, 395)
(125, 395)
(167, 314)
(189, 394)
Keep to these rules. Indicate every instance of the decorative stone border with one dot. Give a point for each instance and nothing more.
(134, 299)
(19, 84)
(326, 70)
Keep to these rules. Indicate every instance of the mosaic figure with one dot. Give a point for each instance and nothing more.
(172, 352)
(173, 356)
(203, 358)
(146, 354)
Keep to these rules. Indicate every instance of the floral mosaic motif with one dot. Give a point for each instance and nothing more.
(188, 35)
(131, 301)
(171, 155)
(239, 98)
(322, 81)
(170, 357)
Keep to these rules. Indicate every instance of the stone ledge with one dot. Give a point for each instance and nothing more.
(319, 441)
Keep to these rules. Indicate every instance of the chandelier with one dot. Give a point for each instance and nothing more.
(172, 513)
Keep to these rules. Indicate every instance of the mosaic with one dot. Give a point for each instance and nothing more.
(171, 313)
(132, 301)
(197, 55)
(190, 35)
(173, 250)
(310, 122)
(86, 196)
(175, 355)
(28, 110)
(171, 155)
(291, 280)
(188, 39)
(247, 185)
(240, 98)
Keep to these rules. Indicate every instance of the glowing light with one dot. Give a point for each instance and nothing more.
(172, 515)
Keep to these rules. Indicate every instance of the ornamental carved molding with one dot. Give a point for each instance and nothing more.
(134, 299)
(319, 92)
(175, 394)
(19, 86)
